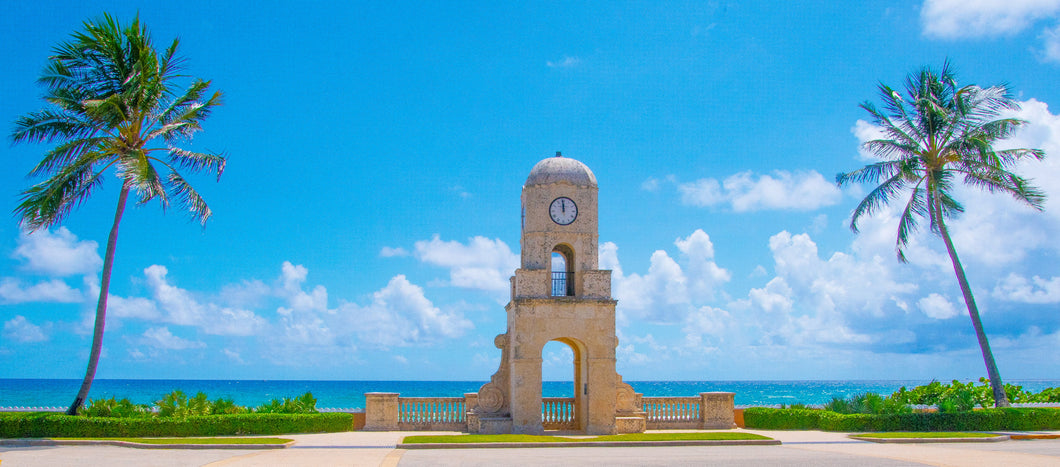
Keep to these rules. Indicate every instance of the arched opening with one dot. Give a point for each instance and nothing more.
(563, 385)
(562, 271)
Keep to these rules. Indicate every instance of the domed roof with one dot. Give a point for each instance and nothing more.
(561, 169)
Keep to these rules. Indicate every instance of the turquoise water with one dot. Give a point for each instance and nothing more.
(350, 394)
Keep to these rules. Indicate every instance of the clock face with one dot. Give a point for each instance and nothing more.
(563, 211)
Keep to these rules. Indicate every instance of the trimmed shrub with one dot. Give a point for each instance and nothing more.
(53, 425)
(979, 420)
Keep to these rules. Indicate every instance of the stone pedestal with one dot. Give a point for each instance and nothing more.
(381, 411)
(717, 410)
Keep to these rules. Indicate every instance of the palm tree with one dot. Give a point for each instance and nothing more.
(114, 105)
(943, 134)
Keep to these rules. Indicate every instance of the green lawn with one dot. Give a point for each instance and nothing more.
(462, 439)
(924, 434)
(191, 440)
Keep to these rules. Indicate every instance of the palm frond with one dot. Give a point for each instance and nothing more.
(878, 198)
(66, 153)
(907, 223)
(49, 202)
(189, 198)
(197, 161)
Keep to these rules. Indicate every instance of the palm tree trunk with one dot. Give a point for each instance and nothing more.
(101, 306)
(1000, 399)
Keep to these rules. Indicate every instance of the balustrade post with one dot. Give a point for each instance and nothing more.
(717, 410)
(381, 411)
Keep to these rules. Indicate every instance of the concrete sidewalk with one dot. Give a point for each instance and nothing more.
(361, 448)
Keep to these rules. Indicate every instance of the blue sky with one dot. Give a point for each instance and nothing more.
(368, 219)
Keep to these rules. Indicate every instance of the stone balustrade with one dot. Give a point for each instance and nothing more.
(432, 413)
(557, 413)
(669, 413)
(390, 412)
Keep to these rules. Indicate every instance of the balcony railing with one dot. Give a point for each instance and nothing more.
(562, 283)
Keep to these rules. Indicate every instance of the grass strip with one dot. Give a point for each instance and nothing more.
(189, 440)
(682, 436)
(924, 434)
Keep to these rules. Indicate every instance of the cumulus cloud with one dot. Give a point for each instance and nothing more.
(666, 293)
(936, 306)
(1017, 288)
(57, 254)
(180, 307)
(813, 302)
(53, 291)
(19, 329)
(743, 192)
(399, 314)
(481, 263)
(952, 19)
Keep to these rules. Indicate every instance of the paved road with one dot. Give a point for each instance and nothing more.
(377, 449)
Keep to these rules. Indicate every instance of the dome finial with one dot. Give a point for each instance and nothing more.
(559, 154)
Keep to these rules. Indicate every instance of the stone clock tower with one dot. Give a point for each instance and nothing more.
(558, 294)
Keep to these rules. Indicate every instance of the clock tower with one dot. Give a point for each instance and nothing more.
(558, 294)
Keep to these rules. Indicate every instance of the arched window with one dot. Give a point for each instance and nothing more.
(562, 271)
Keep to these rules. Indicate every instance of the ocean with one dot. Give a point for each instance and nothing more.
(350, 394)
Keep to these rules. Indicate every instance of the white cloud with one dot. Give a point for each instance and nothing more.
(399, 314)
(19, 329)
(162, 338)
(1017, 288)
(388, 252)
(481, 264)
(842, 282)
(57, 253)
(936, 306)
(953, 19)
(133, 308)
(703, 192)
(776, 296)
(181, 308)
(233, 355)
(566, 62)
(53, 291)
(668, 291)
(1051, 44)
(799, 190)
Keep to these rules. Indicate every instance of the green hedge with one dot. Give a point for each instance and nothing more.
(980, 420)
(54, 425)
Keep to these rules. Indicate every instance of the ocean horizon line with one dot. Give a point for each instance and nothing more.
(49, 392)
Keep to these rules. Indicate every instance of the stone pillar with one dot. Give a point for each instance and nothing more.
(601, 397)
(717, 410)
(470, 402)
(380, 411)
(526, 396)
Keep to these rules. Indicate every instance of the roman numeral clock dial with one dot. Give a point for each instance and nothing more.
(563, 211)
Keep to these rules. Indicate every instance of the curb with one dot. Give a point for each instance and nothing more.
(594, 444)
(130, 444)
(991, 439)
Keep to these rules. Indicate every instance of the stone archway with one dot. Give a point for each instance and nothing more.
(568, 413)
